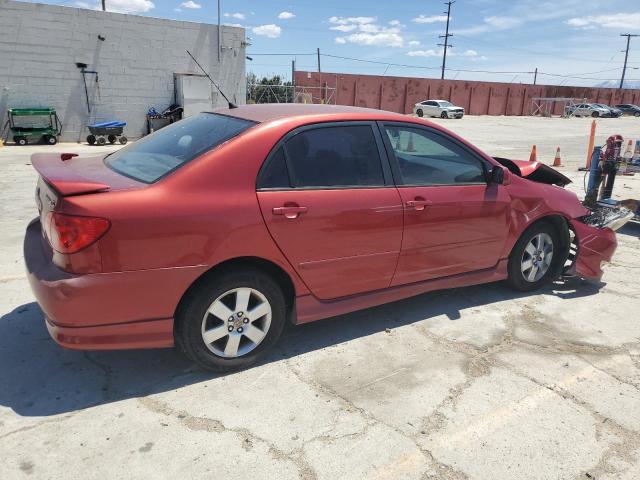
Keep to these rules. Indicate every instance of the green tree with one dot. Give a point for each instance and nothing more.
(268, 89)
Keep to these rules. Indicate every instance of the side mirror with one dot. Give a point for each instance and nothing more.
(497, 175)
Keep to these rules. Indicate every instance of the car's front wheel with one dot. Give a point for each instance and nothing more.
(534, 257)
(444, 115)
(595, 114)
(419, 112)
(637, 114)
(231, 320)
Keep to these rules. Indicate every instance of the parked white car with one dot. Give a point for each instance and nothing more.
(438, 108)
(588, 110)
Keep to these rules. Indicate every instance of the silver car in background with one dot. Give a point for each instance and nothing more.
(438, 108)
(587, 110)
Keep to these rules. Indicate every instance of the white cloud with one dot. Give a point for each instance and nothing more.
(502, 22)
(366, 31)
(285, 15)
(629, 21)
(190, 4)
(382, 39)
(269, 30)
(344, 28)
(350, 20)
(430, 18)
(239, 25)
(237, 15)
(438, 53)
(120, 6)
(491, 24)
(414, 43)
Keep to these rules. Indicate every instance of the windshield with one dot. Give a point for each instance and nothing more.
(445, 104)
(166, 150)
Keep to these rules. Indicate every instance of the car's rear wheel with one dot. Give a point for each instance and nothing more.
(231, 320)
(637, 114)
(595, 114)
(444, 115)
(419, 112)
(533, 260)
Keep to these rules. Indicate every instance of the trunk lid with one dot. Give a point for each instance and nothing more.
(67, 174)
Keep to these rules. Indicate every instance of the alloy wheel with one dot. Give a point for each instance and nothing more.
(236, 322)
(537, 257)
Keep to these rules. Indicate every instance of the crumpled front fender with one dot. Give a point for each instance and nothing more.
(595, 245)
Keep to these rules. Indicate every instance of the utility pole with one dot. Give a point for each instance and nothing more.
(219, 35)
(626, 55)
(293, 81)
(318, 60)
(104, 5)
(446, 37)
(535, 76)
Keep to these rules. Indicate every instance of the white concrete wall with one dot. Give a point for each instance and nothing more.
(40, 44)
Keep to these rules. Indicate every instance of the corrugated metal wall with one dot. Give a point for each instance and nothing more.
(399, 94)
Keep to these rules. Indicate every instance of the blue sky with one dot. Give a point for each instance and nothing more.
(580, 38)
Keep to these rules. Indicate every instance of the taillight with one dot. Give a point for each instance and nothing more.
(72, 233)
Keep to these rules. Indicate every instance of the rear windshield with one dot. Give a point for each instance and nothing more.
(166, 150)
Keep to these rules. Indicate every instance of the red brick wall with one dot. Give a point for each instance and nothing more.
(399, 94)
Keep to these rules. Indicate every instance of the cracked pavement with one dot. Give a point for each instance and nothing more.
(471, 383)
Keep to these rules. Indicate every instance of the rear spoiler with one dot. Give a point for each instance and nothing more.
(63, 179)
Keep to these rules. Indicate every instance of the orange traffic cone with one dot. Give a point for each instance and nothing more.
(557, 162)
(534, 155)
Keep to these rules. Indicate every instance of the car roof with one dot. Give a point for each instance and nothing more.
(272, 111)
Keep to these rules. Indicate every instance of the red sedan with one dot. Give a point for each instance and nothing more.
(214, 232)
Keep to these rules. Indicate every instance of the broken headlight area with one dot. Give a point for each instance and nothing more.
(612, 217)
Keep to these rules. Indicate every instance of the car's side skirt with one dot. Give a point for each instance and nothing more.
(309, 308)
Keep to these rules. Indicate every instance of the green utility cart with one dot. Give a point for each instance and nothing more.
(32, 125)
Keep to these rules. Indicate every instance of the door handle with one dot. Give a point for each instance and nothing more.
(289, 211)
(419, 204)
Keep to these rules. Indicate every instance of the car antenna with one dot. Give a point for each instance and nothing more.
(231, 104)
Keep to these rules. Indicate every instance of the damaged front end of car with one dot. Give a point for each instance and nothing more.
(594, 240)
(591, 229)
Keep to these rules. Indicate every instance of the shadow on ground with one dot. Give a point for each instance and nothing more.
(39, 378)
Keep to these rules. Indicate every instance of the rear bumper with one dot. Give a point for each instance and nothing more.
(595, 246)
(105, 310)
(147, 334)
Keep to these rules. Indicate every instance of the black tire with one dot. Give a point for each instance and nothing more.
(112, 139)
(444, 115)
(122, 140)
(190, 316)
(419, 112)
(637, 114)
(101, 141)
(51, 139)
(595, 114)
(91, 139)
(20, 140)
(516, 278)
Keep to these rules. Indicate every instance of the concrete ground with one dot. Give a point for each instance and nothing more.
(477, 383)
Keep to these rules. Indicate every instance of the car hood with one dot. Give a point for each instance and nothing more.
(534, 171)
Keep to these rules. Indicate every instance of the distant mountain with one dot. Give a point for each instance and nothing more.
(616, 83)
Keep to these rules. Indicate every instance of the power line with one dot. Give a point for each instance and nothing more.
(459, 70)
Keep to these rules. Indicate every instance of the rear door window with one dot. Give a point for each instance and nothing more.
(336, 156)
(156, 155)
